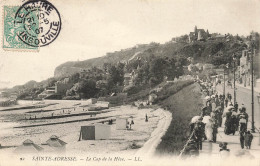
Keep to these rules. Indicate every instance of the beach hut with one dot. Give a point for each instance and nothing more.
(28, 147)
(103, 104)
(121, 123)
(95, 132)
(91, 101)
(56, 143)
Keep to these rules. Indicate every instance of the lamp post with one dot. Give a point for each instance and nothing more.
(234, 68)
(252, 52)
(258, 99)
(252, 91)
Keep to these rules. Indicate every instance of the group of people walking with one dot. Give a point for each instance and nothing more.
(218, 109)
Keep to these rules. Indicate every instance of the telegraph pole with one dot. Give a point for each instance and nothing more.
(224, 84)
(234, 80)
(252, 89)
(234, 68)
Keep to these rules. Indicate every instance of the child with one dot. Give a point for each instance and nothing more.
(248, 139)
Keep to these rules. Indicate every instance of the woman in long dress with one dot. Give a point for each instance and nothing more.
(209, 130)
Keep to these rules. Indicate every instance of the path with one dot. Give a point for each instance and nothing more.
(149, 147)
(243, 96)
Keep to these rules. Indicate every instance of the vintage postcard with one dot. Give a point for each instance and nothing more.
(129, 82)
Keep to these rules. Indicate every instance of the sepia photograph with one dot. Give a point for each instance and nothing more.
(129, 82)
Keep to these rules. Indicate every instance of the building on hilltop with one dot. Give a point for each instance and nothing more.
(244, 68)
(198, 35)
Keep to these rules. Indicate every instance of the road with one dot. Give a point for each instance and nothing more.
(243, 95)
(212, 149)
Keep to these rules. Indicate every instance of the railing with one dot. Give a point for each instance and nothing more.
(181, 152)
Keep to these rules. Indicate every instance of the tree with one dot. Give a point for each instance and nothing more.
(86, 88)
(116, 75)
(157, 70)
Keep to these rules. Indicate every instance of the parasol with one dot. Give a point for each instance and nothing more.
(195, 119)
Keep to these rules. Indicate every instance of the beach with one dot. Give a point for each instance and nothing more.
(65, 118)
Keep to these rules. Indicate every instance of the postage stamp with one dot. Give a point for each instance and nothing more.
(34, 24)
(10, 39)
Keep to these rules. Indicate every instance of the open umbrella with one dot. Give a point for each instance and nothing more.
(207, 97)
(195, 119)
(206, 119)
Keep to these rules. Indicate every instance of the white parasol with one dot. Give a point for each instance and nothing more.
(195, 119)
(206, 119)
(207, 97)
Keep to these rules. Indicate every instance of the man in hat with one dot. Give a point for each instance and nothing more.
(199, 133)
(215, 130)
(226, 101)
(236, 106)
(204, 111)
(243, 120)
(228, 124)
(242, 140)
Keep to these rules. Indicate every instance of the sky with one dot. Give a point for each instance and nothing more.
(91, 28)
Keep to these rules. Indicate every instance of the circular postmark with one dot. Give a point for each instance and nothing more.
(37, 23)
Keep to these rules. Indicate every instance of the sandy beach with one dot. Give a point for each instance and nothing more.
(65, 118)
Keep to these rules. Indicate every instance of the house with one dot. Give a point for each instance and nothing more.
(103, 104)
(129, 78)
(244, 68)
(208, 66)
(198, 35)
(91, 101)
(47, 92)
(62, 86)
(95, 132)
(59, 88)
(28, 146)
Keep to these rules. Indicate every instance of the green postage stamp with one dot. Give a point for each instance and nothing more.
(30, 26)
(10, 39)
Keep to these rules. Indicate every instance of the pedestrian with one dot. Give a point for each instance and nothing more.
(242, 140)
(215, 131)
(226, 102)
(217, 101)
(209, 130)
(234, 121)
(228, 121)
(229, 97)
(146, 118)
(248, 139)
(236, 106)
(198, 134)
(243, 120)
(204, 111)
(213, 105)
